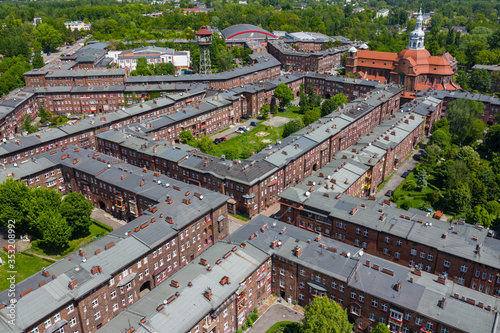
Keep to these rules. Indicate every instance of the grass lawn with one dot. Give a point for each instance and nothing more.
(250, 139)
(240, 217)
(285, 327)
(96, 231)
(291, 112)
(25, 266)
(415, 198)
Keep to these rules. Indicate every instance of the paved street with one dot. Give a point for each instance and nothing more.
(106, 218)
(396, 178)
(276, 313)
(53, 57)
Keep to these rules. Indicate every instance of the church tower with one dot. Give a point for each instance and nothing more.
(417, 36)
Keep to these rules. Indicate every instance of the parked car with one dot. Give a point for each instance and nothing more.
(389, 193)
(217, 141)
(405, 174)
(253, 123)
(246, 116)
(223, 138)
(240, 130)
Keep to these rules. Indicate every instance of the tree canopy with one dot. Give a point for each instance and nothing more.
(284, 94)
(325, 316)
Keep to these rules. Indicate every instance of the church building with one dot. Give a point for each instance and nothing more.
(413, 68)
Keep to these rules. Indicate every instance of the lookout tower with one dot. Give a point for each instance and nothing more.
(204, 39)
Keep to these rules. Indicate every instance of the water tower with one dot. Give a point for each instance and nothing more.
(204, 39)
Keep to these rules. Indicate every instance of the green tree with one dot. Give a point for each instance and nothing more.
(76, 210)
(265, 110)
(142, 68)
(492, 139)
(164, 68)
(225, 60)
(187, 137)
(12, 195)
(28, 126)
(422, 179)
(327, 107)
(284, 94)
(462, 115)
(409, 185)
(381, 328)
(431, 157)
(48, 37)
(460, 198)
(37, 61)
(207, 145)
(468, 155)
(293, 126)
(325, 316)
(479, 214)
(480, 80)
(493, 208)
(442, 139)
(232, 152)
(41, 200)
(311, 116)
(55, 229)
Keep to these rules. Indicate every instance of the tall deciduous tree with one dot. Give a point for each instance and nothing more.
(325, 316)
(76, 210)
(422, 179)
(12, 195)
(480, 80)
(37, 61)
(48, 37)
(284, 94)
(462, 115)
(460, 198)
(55, 229)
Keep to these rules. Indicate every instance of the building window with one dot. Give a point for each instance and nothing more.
(97, 315)
(397, 255)
(430, 257)
(72, 322)
(70, 308)
(447, 263)
(115, 307)
(422, 254)
(407, 316)
(95, 303)
(463, 269)
(374, 303)
(418, 321)
(413, 252)
(383, 307)
(48, 323)
(341, 288)
(373, 317)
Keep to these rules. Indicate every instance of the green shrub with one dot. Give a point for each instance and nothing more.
(239, 330)
(249, 322)
(102, 225)
(244, 327)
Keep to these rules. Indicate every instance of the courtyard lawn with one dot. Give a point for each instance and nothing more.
(253, 139)
(96, 231)
(291, 112)
(414, 198)
(25, 266)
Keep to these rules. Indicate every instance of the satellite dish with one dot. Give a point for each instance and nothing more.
(348, 254)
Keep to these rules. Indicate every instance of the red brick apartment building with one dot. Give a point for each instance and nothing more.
(461, 251)
(175, 224)
(264, 69)
(255, 183)
(81, 132)
(299, 265)
(299, 60)
(491, 103)
(65, 74)
(13, 109)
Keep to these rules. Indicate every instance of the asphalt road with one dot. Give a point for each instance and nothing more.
(53, 57)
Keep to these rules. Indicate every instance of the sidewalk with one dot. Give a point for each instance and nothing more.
(273, 311)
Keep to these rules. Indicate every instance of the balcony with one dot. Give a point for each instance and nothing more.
(209, 327)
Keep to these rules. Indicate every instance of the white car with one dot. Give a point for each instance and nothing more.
(240, 130)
